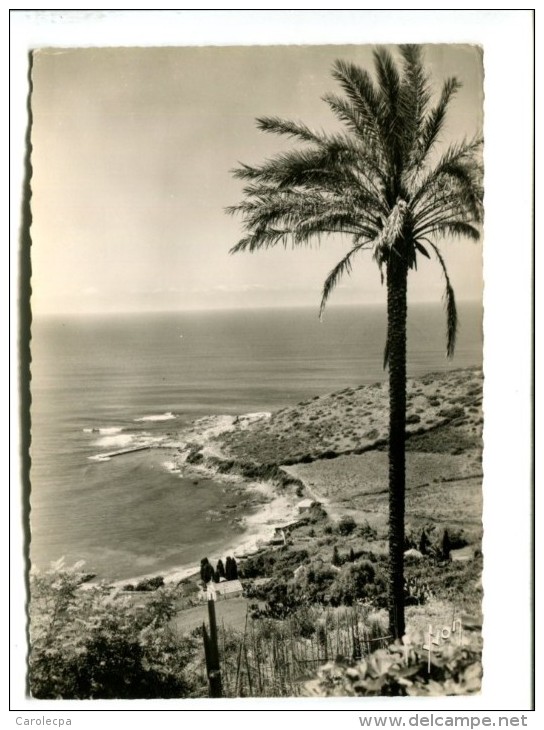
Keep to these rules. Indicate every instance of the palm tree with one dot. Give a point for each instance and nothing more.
(382, 182)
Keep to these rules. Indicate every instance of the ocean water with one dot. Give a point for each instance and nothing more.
(105, 383)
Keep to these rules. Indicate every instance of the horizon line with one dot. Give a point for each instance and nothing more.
(267, 307)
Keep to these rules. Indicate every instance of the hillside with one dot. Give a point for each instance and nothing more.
(355, 420)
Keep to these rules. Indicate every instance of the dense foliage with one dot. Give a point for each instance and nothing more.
(87, 642)
(400, 670)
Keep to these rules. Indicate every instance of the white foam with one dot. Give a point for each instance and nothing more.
(159, 417)
(146, 440)
(117, 441)
(172, 467)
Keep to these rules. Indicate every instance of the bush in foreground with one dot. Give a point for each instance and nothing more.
(89, 644)
(400, 670)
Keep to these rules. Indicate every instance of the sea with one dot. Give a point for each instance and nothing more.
(100, 384)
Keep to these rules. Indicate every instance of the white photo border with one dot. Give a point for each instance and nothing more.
(507, 40)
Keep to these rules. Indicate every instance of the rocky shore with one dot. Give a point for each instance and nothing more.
(332, 449)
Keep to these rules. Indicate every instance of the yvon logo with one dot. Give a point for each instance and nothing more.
(441, 635)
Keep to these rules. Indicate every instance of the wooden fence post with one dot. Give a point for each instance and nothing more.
(211, 651)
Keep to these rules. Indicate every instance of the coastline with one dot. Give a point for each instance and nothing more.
(224, 449)
(130, 516)
(277, 511)
(276, 506)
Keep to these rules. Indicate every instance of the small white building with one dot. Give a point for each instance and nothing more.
(224, 590)
(305, 505)
(279, 537)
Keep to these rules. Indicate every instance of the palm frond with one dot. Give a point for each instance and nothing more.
(451, 199)
(262, 239)
(414, 98)
(451, 227)
(351, 116)
(321, 168)
(453, 166)
(449, 298)
(344, 266)
(403, 104)
(276, 216)
(389, 92)
(435, 120)
(360, 90)
(286, 127)
(368, 153)
(336, 221)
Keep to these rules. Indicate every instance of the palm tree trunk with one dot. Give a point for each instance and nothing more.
(397, 277)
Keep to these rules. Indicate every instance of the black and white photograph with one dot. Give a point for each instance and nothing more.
(256, 373)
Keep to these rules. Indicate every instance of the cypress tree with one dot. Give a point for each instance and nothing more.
(423, 543)
(208, 573)
(446, 546)
(203, 563)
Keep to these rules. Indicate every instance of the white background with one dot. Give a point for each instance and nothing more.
(507, 38)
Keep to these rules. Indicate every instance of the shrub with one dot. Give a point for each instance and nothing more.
(457, 537)
(282, 600)
(346, 525)
(316, 581)
(401, 671)
(451, 412)
(329, 454)
(355, 581)
(88, 644)
(367, 532)
(150, 584)
(316, 513)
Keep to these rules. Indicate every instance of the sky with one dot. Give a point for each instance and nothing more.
(132, 158)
